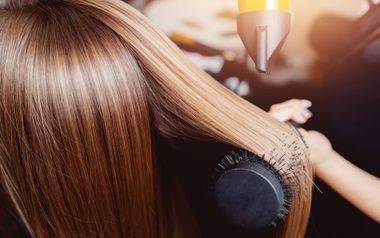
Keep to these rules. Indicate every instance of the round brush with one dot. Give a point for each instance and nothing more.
(250, 192)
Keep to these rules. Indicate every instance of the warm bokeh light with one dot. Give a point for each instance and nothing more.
(263, 5)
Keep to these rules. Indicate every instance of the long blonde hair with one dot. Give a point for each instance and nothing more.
(82, 85)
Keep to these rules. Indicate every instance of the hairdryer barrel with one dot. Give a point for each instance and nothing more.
(263, 26)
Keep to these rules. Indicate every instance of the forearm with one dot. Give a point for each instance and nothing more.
(355, 185)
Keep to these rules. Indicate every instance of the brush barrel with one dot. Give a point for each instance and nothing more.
(250, 195)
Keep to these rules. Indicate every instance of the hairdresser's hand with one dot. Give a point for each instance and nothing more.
(295, 110)
(321, 150)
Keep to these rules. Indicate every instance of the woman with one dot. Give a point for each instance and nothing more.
(85, 85)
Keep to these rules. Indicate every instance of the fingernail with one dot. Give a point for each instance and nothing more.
(306, 103)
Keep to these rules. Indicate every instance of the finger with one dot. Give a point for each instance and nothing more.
(301, 102)
(304, 112)
(306, 103)
(293, 111)
(279, 115)
(298, 117)
(288, 113)
(293, 102)
(296, 114)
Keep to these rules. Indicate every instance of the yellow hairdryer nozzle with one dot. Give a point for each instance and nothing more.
(263, 26)
(263, 5)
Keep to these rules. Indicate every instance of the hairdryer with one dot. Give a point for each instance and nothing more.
(263, 26)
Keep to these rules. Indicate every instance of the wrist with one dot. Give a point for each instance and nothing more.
(326, 163)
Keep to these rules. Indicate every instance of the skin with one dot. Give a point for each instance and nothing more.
(358, 187)
(294, 109)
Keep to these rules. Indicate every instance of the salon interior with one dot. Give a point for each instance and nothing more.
(328, 52)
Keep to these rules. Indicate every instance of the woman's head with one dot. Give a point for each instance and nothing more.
(75, 124)
(83, 83)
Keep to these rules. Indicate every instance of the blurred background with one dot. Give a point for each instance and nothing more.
(331, 57)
